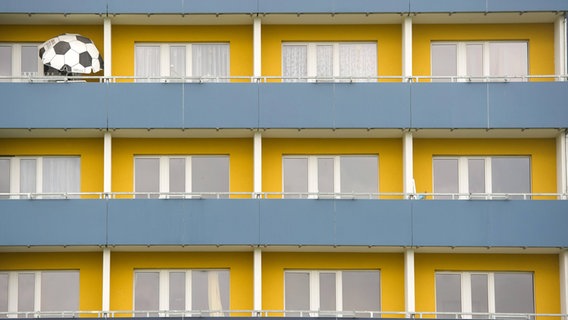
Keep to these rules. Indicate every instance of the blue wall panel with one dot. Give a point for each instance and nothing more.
(52, 222)
(295, 6)
(528, 105)
(373, 222)
(54, 6)
(145, 6)
(220, 105)
(220, 6)
(296, 105)
(145, 105)
(371, 105)
(448, 105)
(387, 6)
(297, 222)
(447, 5)
(52, 105)
(526, 5)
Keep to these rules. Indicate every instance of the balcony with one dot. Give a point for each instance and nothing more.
(284, 222)
(241, 105)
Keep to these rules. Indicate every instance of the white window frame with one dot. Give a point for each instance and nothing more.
(312, 59)
(465, 290)
(164, 173)
(314, 295)
(463, 173)
(164, 289)
(313, 188)
(15, 172)
(17, 60)
(461, 57)
(13, 290)
(165, 66)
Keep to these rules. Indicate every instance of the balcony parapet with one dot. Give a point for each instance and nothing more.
(263, 221)
(114, 7)
(263, 104)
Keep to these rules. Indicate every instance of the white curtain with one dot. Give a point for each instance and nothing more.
(294, 62)
(358, 60)
(177, 61)
(324, 54)
(210, 60)
(147, 62)
(61, 174)
(29, 60)
(508, 59)
(28, 175)
(214, 293)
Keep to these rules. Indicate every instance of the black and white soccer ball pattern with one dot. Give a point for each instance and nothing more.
(71, 53)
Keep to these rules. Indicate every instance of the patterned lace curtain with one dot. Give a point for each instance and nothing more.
(294, 62)
(358, 60)
(210, 60)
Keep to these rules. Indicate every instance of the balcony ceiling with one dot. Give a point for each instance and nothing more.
(245, 19)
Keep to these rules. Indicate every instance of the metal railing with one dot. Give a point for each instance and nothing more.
(282, 313)
(32, 78)
(285, 195)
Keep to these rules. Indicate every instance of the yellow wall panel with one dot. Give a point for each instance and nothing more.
(544, 268)
(388, 150)
(541, 151)
(90, 151)
(124, 264)
(125, 37)
(388, 38)
(89, 265)
(391, 266)
(240, 152)
(540, 39)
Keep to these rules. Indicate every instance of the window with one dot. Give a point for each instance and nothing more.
(180, 290)
(329, 175)
(40, 174)
(480, 59)
(39, 291)
(324, 61)
(483, 292)
(356, 292)
(483, 175)
(181, 174)
(181, 60)
(20, 60)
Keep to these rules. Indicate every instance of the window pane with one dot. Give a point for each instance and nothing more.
(177, 291)
(4, 175)
(327, 291)
(3, 293)
(146, 292)
(28, 175)
(60, 291)
(146, 176)
(199, 290)
(210, 174)
(5, 60)
(445, 177)
(297, 292)
(324, 59)
(474, 54)
(177, 61)
(448, 293)
(361, 291)
(476, 175)
(295, 175)
(325, 175)
(514, 293)
(444, 60)
(479, 294)
(26, 292)
(30, 60)
(177, 175)
(147, 62)
(294, 62)
(511, 175)
(61, 174)
(508, 59)
(210, 60)
(358, 60)
(359, 174)
(224, 288)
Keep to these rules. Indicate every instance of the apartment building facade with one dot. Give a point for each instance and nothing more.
(264, 158)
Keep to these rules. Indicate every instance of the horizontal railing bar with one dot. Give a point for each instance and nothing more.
(272, 195)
